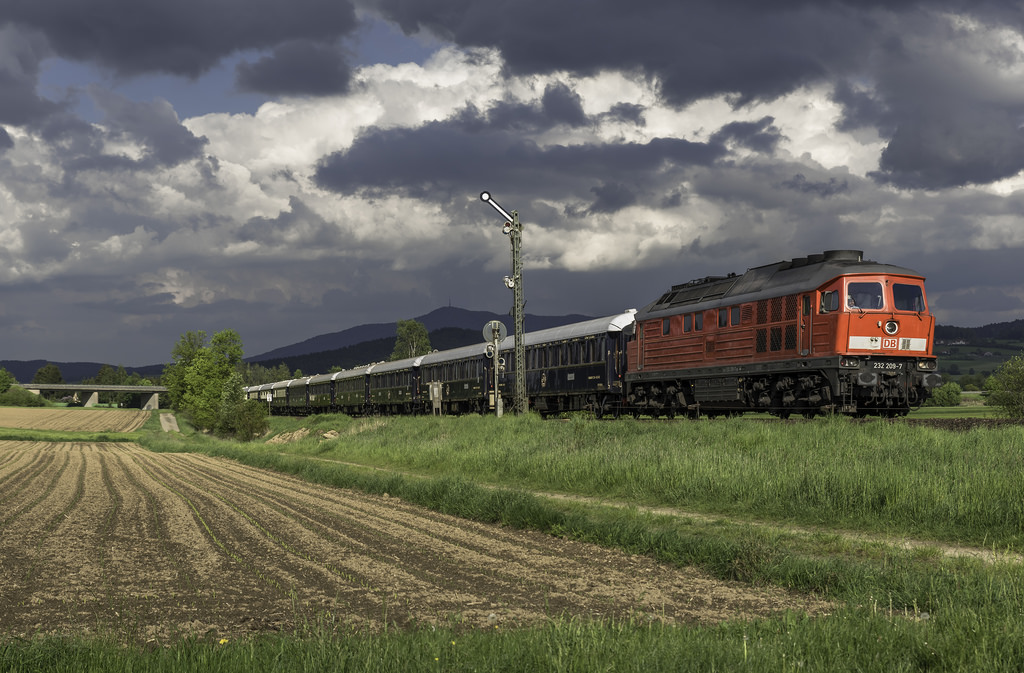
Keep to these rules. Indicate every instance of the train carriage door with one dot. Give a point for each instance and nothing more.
(804, 321)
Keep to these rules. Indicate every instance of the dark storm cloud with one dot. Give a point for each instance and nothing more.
(626, 112)
(612, 197)
(21, 53)
(297, 221)
(947, 149)
(760, 136)
(824, 189)
(559, 105)
(696, 49)
(563, 105)
(945, 128)
(297, 68)
(406, 159)
(186, 38)
(152, 124)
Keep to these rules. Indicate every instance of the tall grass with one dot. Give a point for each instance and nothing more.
(863, 639)
(876, 476)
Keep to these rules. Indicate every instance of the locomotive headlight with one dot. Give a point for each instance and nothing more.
(849, 363)
(891, 327)
(927, 365)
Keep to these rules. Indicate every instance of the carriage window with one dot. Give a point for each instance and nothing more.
(864, 296)
(908, 297)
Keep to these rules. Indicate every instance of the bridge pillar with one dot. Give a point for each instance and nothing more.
(151, 402)
(94, 399)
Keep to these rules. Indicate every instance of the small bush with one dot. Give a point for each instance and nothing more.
(946, 395)
(1006, 388)
(250, 420)
(16, 396)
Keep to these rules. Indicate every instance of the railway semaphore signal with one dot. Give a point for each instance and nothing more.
(514, 230)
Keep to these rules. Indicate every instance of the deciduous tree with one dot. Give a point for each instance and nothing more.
(6, 380)
(199, 372)
(182, 355)
(48, 373)
(1006, 387)
(411, 339)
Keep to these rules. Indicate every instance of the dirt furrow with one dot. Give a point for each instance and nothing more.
(292, 582)
(434, 549)
(109, 536)
(356, 562)
(457, 566)
(84, 420)
(39, 484)
(21, 546)
(22, 468)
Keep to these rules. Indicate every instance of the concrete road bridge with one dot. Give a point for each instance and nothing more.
(91, 392)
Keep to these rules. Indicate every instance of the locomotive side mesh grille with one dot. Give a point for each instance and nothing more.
(791, 305)
(790, 337)
(761, 341)
(762, 312)
(776, 338)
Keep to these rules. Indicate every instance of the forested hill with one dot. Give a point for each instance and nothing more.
(438, 319)
(375, 350)
(1000, 331)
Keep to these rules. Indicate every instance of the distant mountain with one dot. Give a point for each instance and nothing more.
(448, 316)
(449, 327)
(72, 372)
(999, 331)
(366, 352)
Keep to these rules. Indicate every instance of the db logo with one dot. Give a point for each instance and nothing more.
(890, 343)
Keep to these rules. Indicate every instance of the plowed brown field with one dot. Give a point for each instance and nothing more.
(148, 546)
(84, 420)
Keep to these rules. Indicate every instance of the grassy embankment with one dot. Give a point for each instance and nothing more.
(766, 505)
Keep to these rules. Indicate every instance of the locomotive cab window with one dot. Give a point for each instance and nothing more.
(864, 296)
(829, 301)
(908, 297)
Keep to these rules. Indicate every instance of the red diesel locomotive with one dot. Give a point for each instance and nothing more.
(827, 333)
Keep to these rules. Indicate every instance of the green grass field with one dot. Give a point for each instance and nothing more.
(817, 507)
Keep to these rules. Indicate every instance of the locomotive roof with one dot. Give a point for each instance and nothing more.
(772, 280)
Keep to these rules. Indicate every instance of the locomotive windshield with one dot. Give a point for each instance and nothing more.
(908, 297)
(865, 296)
